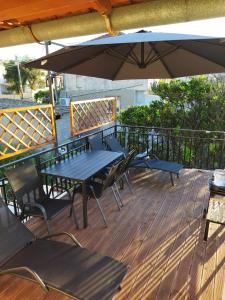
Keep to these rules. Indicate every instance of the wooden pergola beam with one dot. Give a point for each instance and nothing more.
(40, 8)
(103, 6)
(144, 14)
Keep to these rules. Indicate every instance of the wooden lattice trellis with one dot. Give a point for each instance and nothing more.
(90, 114)
(25, 128)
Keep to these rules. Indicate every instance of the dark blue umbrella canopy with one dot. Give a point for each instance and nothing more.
(140, 55)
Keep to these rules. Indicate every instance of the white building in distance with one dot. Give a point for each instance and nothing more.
(128, 92)
(3, 83)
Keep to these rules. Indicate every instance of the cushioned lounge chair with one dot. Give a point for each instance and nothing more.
(95, 142)
(68, 268)
(31, 198)
(142, 160)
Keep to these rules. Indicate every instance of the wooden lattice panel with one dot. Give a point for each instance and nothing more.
(25, 128)
(90, 114)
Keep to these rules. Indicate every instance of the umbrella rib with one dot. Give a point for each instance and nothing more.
(80, 62)
(159, 56)
(133, 54)
(119, 56)
(148, 58)
(120, 66)
(162, 60)
(200, 55)
(208, 42)
(56, 54)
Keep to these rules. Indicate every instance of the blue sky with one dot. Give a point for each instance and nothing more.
(210, 27)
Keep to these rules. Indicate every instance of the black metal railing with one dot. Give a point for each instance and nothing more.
(193, 148)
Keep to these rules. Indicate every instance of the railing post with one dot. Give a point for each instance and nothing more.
(115, 131)
(38, 162)
(87, 143)
(2, 183)
(168, 145)
(102, 133)
(126, 137)
(14, 206)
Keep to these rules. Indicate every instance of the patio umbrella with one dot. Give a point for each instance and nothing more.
(139, 55)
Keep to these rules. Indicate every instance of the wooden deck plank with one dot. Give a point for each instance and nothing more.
(196, 268)
(168, 256)
(208, 276)
(181, 245)
(158, 233)
(192, 221)
(220, 262)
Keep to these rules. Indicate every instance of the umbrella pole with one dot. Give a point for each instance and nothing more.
(51, 92)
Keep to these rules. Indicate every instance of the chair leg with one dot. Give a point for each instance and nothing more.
(171, 179)
(101, 210)
(121, 183)
(99, 206)
(116, 198)
(118, 193)
(206, 230)
(48, 226)
(72, 210)
(128, 183)
(204, 213)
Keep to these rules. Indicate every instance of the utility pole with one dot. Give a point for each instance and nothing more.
(19, 77)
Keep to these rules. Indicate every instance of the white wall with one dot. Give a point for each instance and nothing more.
(77, 82)
(78, 87)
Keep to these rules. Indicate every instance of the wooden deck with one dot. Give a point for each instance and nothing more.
(158, 233)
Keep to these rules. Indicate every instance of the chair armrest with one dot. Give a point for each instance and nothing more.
(70, 235)
(22, 269)
(141, 155)
(42, 209)
(61, 188)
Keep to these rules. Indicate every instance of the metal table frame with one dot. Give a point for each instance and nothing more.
(81, 168)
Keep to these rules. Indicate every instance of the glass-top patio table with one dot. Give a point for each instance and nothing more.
(81, 168)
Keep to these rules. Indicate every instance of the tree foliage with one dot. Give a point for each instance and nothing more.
(197, 103)
(33, 78)
(11, 76)
(42, 96)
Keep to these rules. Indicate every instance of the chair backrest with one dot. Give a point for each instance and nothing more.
(125, 163)
(110, 179)
(95, 142)
(13, 235)
(114, 144)
(26, 184)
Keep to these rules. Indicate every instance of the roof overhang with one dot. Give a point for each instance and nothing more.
(25, 21)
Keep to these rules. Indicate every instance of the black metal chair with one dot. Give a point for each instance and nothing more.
(95, 142)
(95, 189)
(31, 198)
(122, 173)
(69, 268)
(142, 160)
